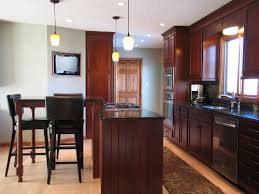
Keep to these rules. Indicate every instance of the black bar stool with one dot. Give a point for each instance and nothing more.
(31, 124)
(66, 124)
(61, 109)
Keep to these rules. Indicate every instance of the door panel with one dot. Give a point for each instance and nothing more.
(128, 81)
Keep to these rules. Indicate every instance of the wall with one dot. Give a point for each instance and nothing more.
(23, 68)
(152, 76)
(72, 41)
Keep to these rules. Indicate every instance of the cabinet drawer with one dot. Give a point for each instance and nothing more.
(201, 115)
(249, 159)
(249, 144)
(248, 178)
(250, 129)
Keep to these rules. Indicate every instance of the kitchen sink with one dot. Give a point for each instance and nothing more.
(215, 107)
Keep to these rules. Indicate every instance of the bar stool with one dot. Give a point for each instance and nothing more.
(32, 125)
(62, 109)
(66, 124)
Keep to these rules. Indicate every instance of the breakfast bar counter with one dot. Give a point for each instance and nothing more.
(132, 152)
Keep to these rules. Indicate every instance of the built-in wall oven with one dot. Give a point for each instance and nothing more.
(225, 146)
(168, 107)
(169, 78)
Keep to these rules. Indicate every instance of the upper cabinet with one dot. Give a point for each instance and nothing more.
(196, 55)
(169, 51)
(251, 57)
(205, 53)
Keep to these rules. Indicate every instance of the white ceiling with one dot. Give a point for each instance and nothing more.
(96, 15)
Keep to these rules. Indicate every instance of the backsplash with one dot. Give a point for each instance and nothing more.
(211, 92)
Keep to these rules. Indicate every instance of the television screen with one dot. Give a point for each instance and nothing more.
(66, 64)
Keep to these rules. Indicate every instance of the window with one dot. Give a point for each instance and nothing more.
(232, 69)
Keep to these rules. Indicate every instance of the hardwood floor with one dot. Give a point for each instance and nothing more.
(65, 180)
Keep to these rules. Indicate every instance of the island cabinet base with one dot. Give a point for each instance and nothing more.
(132, 156)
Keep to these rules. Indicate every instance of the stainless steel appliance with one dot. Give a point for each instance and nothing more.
(196, 92)
(225, 146)
(168, 107)
(169, 78)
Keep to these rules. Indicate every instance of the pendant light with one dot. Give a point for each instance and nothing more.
(128, 41)
(55, 37)
(115, 54)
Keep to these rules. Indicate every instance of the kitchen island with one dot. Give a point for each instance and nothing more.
(131, 152)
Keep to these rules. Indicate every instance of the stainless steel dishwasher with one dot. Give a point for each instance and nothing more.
(225, 146)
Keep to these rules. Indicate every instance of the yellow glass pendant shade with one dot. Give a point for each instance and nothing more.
(55, 39)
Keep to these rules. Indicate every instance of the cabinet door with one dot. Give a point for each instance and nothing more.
(251, 58)
(176, 131)
(195, 52)
(171, 51)
(194, 137)
(210, 58)
(184, 127)
(206, 142)
(166, 44)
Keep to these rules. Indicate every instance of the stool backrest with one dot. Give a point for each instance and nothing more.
(68, 94)
(65, 108)
(11, 104)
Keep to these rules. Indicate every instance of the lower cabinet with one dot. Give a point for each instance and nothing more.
(249, 156)
(180, 126)
(200, 135)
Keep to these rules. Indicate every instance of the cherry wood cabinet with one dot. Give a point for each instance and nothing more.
(99, 64)
(249, 155)
(211, 58)
(200, 135)
(251, 46)
(195, 55)
(180, 126)
(98, 69)
(169, 51)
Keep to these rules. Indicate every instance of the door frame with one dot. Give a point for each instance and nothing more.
(140, 77)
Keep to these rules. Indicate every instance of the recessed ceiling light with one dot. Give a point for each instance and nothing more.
(162, 24)
(142, 40)
(148, 35)
(68, 20)
(120, 3)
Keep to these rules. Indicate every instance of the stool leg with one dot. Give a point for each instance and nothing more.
(46, 144)
(52, 156)
(33, 146)
(77, 141)
(10, 152)
(59, 138)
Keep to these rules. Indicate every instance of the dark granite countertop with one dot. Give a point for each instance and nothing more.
(130, 114)
(245, 114)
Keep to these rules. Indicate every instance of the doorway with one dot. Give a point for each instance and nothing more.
(128, 82)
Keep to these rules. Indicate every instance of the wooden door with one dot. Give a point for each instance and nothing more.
(251, 58)
(128, 81)
(196, 56)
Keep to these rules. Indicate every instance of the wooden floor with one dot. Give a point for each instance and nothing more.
(65, 180)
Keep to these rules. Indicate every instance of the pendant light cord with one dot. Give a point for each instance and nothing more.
(55, 18)
(115, 34)
(128, 18)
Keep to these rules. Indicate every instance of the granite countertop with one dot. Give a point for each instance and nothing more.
(246, 114)
(130, 114)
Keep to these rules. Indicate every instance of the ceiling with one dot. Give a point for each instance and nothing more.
(96, 15)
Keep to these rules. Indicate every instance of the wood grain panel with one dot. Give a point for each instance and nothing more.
(132, 156)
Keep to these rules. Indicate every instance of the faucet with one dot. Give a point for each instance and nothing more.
(232, 98)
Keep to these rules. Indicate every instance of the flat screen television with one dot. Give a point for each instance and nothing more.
(66, 64)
